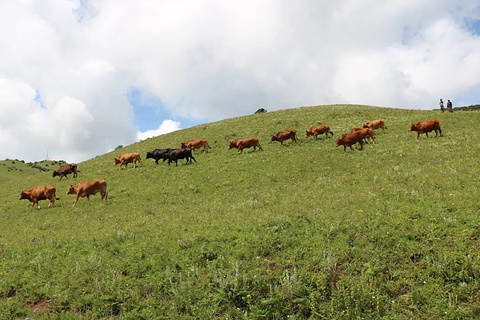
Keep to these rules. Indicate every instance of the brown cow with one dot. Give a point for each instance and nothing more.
(196, 144)
(375, 124)
(315, 131)
(242, 143)
(285, 135)
(366, 133)
(88, 188)
(66, 169)
(426, 127)
(349, 139)
(127, 158)
(36, 194)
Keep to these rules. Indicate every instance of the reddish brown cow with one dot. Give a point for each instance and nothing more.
(285, 135)
(349, 139)
(127, 158)
(366, 133)
(196, 144)
(375, 124)
(315, 131)
(66, 169)
(89, 188)
(242, 143)
(36, 194)
(426, 127)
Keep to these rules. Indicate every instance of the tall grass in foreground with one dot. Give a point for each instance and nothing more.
(304, 231)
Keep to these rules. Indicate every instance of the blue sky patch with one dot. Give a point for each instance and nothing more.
(473, 25)
(38, 99)
(149, 111)
(476, 27)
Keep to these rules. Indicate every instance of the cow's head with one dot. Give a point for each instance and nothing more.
(412, 126)
(149, 155)
(183, 145)
(231, 145)
(116, 161)
(71, 190)
(274, 138)
(55, 173)
(365, 125)
(23, 195)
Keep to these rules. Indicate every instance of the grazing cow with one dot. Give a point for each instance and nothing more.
(426, 127)
(366, 133)
(242, 143)
(89, 188)
(36, 194)
(196, 144)
(261, 110)
(375, 124)
(315, 131)
(285, 135)
(66, 169)
(127, 158)
(349, 139)
(182, 153)
(158, 154)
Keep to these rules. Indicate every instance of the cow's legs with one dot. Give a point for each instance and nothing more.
(76, 200)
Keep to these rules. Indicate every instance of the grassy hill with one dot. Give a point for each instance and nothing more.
(304, 231)
(11, 169)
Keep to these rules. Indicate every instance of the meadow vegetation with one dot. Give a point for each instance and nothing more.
(303, 231)
(12, 169)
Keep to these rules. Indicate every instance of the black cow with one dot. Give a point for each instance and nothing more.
(158, 154)
(182, 153)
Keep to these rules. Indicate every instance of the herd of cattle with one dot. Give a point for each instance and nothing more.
(88, 188)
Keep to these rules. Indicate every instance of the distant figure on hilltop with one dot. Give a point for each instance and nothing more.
(261, 110)
(441, 105)
(449, 106)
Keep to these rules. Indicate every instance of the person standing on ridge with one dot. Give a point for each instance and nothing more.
(449, 106)
(441, 105)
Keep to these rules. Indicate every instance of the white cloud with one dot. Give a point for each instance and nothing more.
(166, 127)
(66, 67)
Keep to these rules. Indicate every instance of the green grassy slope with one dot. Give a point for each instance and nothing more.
(12, 169)
(304, 230)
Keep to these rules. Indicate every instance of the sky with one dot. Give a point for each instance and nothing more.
(80, 77)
